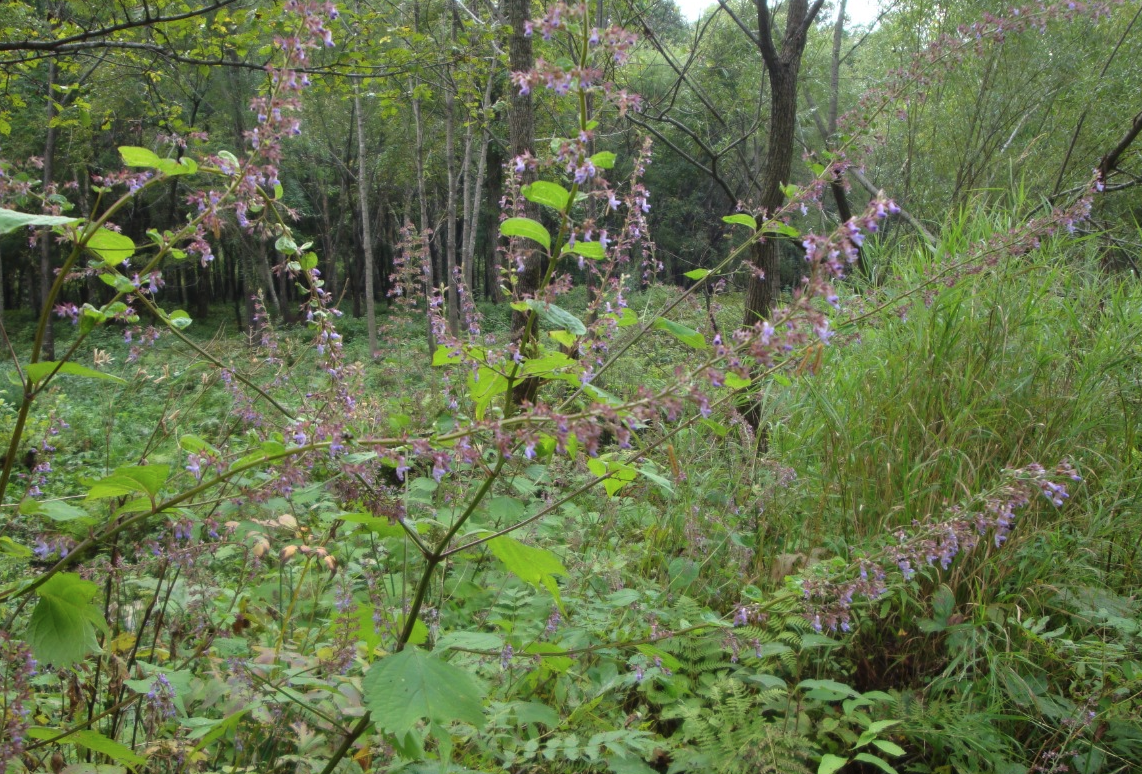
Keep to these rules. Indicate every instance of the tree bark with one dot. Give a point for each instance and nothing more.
(782, 68)
(49, 345)
(366, 226)
(521, 133)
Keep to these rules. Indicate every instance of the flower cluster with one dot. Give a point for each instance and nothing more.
(17, 668)
(830, 590)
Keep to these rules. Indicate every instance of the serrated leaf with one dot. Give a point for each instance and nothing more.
(741, 219)
(112, 247)
(37, 371)
(408, 687)
(528, 228)
(687, 336)
(62, 627)
(551, 194)
(11, 220)
(557, 317)
(831, 763)
(697, 274)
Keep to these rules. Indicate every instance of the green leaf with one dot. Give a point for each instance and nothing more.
(687, 336)
(604, 160)
(592, 250)
(831, 763)
(37, 371)
(134, 156)
(697, 274)
(61, 630)
(97, 742)
(826, 690)
(57, 510)
(741, 219)
(179, 319)
(735, 382)
(563, 337)
(147, 479)
(551, 361)
(10, 220)
(526, 227)
(484, 386)
(112, 247)
(411, 686)
(551, 194)
(445, 355)
(889, 747)
(556, 317)
(880, 763)
(536, 566)
(470, 641)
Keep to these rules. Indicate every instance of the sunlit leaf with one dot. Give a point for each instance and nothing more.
(408, 687)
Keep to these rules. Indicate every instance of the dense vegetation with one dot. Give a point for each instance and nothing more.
(437, 387)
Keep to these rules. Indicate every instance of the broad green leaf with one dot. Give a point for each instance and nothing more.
(37, 371)
(777, 227)
(10, 547)
(831, 763)
(536, 566)
(484, 386)
(741, 219)
(112, 247)
(735, 382)
(551, 194)
(826, 690)
(445, 355)
(889, 747)
(880, 763)
(408, 687)
(134, 156)
(97, 742)
(550, 361)
(526, 227)
(194, 445)
(697, 274)
(557, 317)
(687, 336)
(563, 337)
(592, 250)
(879, 725)
(654, 652)
(61, 630)
(505, 510)
(604, 160)
(534, 712)
(179, 319)
(619, 474)
(470, 641)
(56, 510)
(554, 657)
(150, 477)
(11, 220)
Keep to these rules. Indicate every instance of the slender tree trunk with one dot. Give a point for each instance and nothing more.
(424, 229)
(366, 226)
(837, 186)
(473, 194)
(49, 346)
(450, 211)
(521, 131)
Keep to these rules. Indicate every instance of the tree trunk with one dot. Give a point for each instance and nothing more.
(521, 132)
(782, 68)
(49, 346)
(450, 211)
(366, 226)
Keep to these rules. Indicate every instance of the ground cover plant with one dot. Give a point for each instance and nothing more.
(605, 526)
